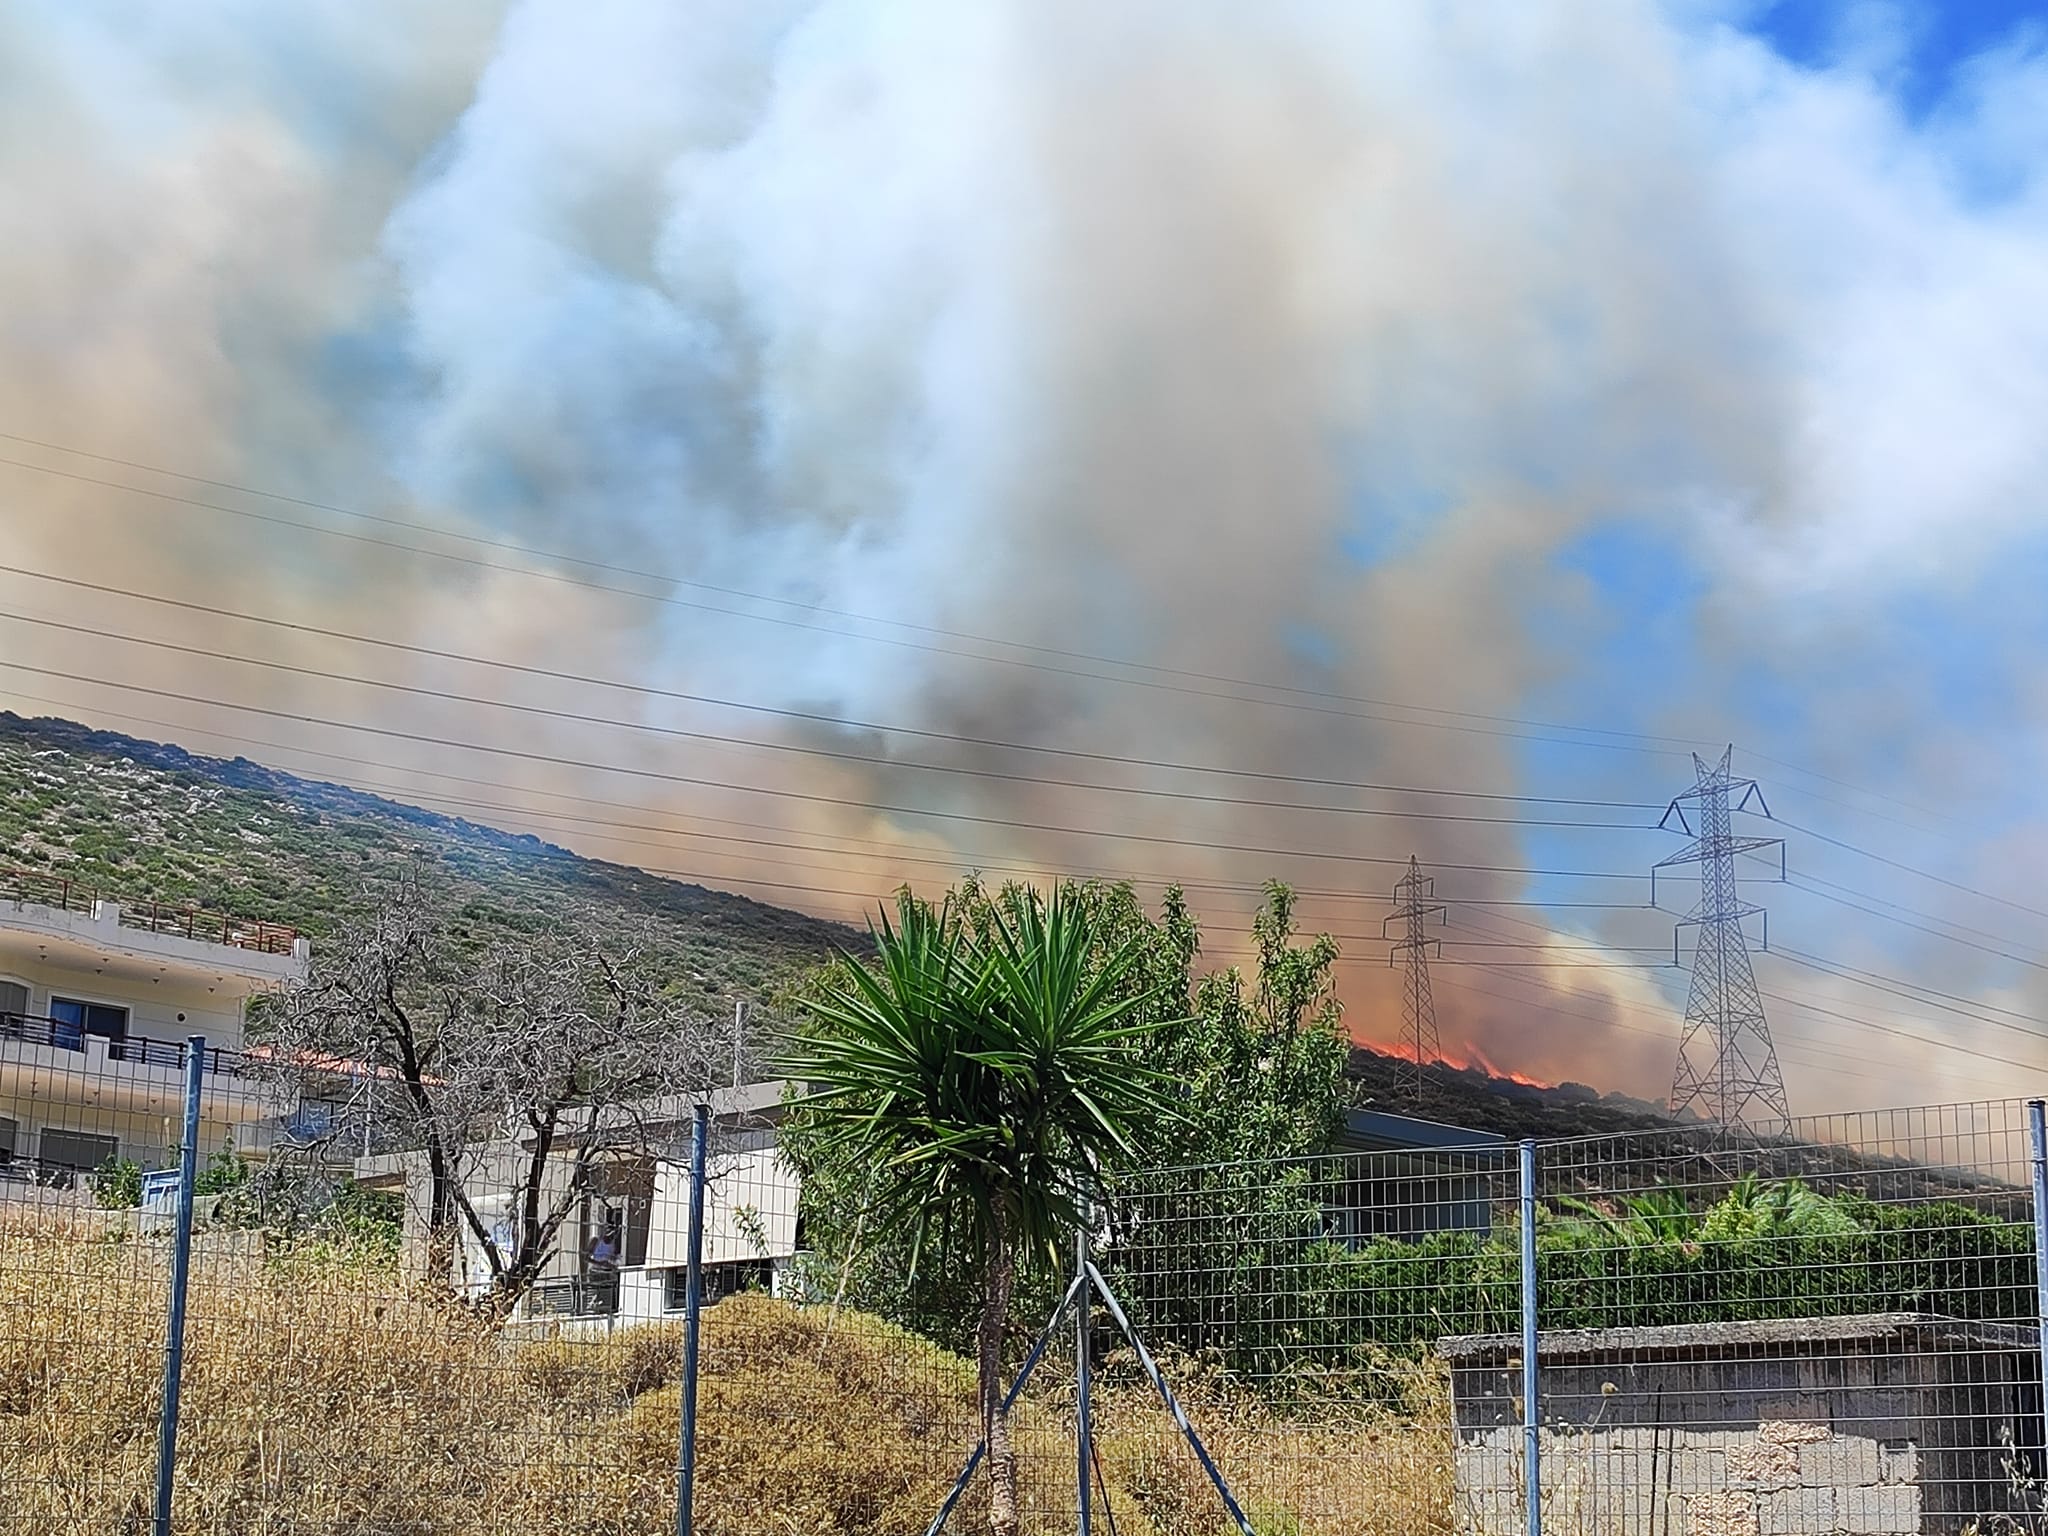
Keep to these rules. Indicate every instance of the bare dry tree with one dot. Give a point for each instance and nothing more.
(528, 1071)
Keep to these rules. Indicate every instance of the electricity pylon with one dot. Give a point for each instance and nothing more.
(1412, 901)
(1727, 1065)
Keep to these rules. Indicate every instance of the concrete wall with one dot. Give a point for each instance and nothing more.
(1904, 1431)
(750, 1200)
(1777, 1478)
(750, 1211)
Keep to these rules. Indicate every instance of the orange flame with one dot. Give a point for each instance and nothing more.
(1476, 1060)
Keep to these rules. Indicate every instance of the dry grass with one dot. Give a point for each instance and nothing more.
(1339, 1466)
(317, 1401)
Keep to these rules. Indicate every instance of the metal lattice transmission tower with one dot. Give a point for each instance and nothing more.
(1413, 904)
(1727, 1066)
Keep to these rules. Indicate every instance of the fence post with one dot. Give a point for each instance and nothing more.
(1084, 1437)
(693, 1313)
(181, 1276)
(1532, 1417)
(2037, 1135)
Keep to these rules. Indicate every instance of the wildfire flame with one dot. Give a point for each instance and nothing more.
(1475, 1060)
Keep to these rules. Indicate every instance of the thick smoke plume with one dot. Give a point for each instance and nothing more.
(1456, 366)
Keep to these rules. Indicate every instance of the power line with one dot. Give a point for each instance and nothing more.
(1777, 997)
(1798, 884)
(1924, 874)
(1663, 744)
(1882, 1029)
(426, 739)
(844, 634)
(579, 717)
(1926, 997)
(1807, 1052)
(964, 858)
(866, 896)
(1857, 1022)
(1665, 1032)
(809, 716)
(1814, 773)
(1852, 972)
(1866, 977)
(1945, 924)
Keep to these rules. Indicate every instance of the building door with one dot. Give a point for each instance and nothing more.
(71, 1021)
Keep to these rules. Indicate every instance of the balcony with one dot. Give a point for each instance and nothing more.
(62, 894)
(138, 1050)
(57, 1063)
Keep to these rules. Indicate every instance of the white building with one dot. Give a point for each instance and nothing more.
(97, 999)
(623, 1252)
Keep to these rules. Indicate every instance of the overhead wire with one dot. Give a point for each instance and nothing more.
(963, 858)
(1663, 745)
(845, 634)
(1675, 745)
(1905, 868)
(657, 775)
(214, 653)
(1808, 1053)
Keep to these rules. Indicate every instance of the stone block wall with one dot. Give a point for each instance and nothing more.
(1887, 1425)
(1780, 1478)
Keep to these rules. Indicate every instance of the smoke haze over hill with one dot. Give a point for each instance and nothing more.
(1498, 401)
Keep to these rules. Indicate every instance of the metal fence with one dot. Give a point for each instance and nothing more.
(1831, 1331)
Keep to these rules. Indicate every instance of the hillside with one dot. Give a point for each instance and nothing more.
(142, 819)
(1469, 1097)
(139, 819)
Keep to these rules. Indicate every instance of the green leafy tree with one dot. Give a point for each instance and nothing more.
(225, 1171)
(990, 1069)
(1260, 1063)
(1261, 1057)
(1254, 1062)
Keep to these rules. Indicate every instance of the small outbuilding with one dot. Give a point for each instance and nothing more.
(1882, 1424)
(1423, 1177)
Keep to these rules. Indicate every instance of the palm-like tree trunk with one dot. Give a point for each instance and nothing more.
(999, 1278)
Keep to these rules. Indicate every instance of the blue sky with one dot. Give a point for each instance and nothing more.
(1935, 37)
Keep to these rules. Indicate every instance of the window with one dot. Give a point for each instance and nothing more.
(71, 1021)
(75, 1151)
(10, 1133)
(312, 1119)
(13, 999)
(720, 1281)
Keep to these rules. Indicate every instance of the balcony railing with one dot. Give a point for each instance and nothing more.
(68, 895)
(137, 1050)
(21, 1176)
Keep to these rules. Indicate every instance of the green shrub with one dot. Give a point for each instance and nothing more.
(117, 1184)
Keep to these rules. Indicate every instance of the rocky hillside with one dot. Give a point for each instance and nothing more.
(1469, 1097)
(138, 819)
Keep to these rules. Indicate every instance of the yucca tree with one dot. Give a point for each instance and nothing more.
(992, 1081)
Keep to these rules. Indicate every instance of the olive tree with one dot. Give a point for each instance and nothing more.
(523, 1069)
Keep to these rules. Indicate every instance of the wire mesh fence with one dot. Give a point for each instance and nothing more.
(1300, 1306)
(1832, 1330)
